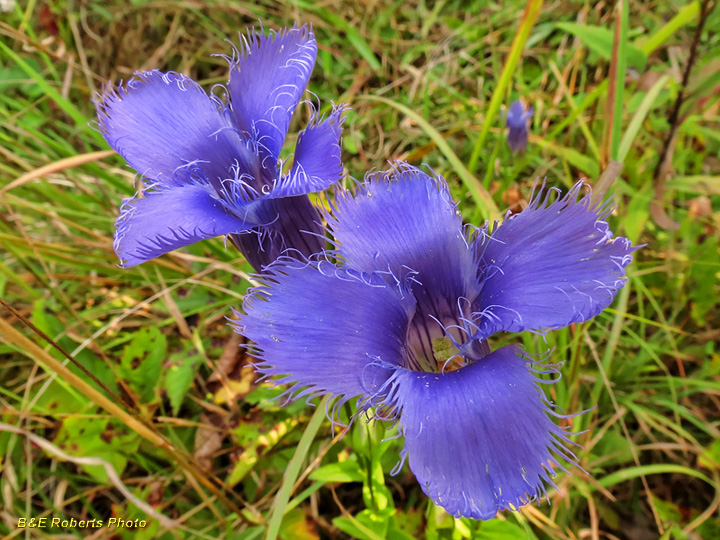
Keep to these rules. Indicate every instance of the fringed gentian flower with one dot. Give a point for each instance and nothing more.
(517, 123)
(400, 313)
(213, 166)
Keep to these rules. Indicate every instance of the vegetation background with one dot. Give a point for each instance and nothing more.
(129, 385)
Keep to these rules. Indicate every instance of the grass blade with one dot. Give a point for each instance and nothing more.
(81, 121)
(684, 16)
(482, 198)
(293, 469)
(640, 115)
(617, 79)
(57, 166)
(629, 473)
(532, 10)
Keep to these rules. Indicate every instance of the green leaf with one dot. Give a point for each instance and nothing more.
(295, 526)
(710, 528)
(703, 275)
(584, 164)
(15, 76)
(500, 530)
(397, 534)
(142, 362)
(366, 526)
(614, 448)
(376, 495)
(669, 512)
(609, 515)
(179, 376)
(193, 302)
(600, 41)
(350, 143)
(104, 438)
(345, 471)
(406, 525)
(59, 398)
(710, 458)
(44, 318)
(251, 533)
(637, 213)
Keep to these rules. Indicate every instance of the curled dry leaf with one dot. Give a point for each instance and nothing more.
(234, 376)
(209, 438)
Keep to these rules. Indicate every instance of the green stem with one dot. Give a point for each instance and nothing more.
(293, 469)
(532, 10)
(619, 56)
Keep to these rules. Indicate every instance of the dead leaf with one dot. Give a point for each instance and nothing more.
(208, 439)
(231, 356)
(233, 377)
(156, 492)
(700, 207)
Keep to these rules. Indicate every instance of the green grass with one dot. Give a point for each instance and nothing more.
(172, 406)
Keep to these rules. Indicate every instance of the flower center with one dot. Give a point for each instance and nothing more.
(440, 347)
(439, 338)
(447, 355)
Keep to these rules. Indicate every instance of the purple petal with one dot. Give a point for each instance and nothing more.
(327, 328)
(317, 164)
(170, 218)
(554, 264)
(517, 123)
(267, 80)
(517, 138)
(293, 228)
(165, 125)
(478, 439)
(516, 115)
(405, 220)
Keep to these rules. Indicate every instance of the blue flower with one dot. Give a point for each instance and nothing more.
(400, 313)
(517, 124)
(213, 165)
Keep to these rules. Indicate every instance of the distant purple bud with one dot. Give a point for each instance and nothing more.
(517, 123)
